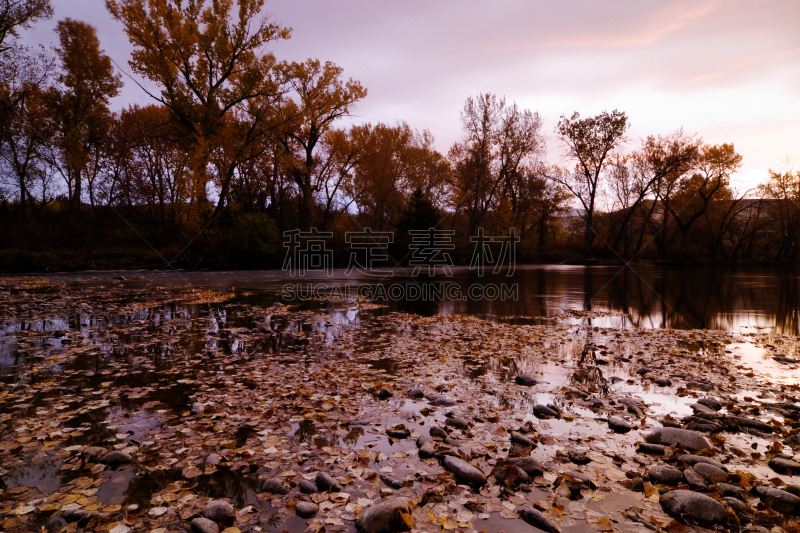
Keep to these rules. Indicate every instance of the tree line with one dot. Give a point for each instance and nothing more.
(238, 146)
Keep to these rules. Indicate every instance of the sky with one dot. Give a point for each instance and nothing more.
(727, 70)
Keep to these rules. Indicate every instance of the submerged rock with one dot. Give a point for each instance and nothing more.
(385, 517)
(274, 485)
(694, 505)
(306, 509)
(665, 474)
(464, 472)
(116, 458)
(535, 518)
(683, 437)
(525, 379)
(327, 482)
(219, 511)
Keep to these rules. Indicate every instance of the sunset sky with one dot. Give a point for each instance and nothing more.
(728, 70)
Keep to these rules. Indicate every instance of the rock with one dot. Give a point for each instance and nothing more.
(116, 458)
(780, 500)
(92, 452)
(670, 423)
(508, 474)
(307, 486)
(618, 425)
(692, 460)
(427, 447)
(643, 371)
(710, 402)
(665, 474)
(695, 506)
(542, 411)
(531, 466)
(653, 449)
(784, 466)
(704, 427)
(326, 482)
(219, 511)
(458, 423)
(578, 393)
(694, 480)
(731, 491)
(636, 410)
(684, 437)
(441, 401)
(385, 517)
(700, 408)
(213, 459)
(391, 481)
(306, 509)
(525, 379)
(663, 382)
(204, 525)
(398, 433)
(741, 509)
(539, 520)
(749, 423)
(792, 489)
(274, 485)
(522, 439)
(464, 472)
(384, 393)
(416, 393)
(436, 431)
(585, 480)
(710, 472)
(518, 450)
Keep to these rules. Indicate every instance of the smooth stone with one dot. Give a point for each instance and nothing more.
(665, 474)
(525, 379)
(700, 408)
(518, 450)
(384, 393)
(307, 486)
(116, 458)
(385, 516)
(398, 433)
(730, 490)
(427, 449)
(670, 423)
(653, 449)
(583, 478)
(204, 525)
(750, 423)
(578, 457)
(92, 452)
(522, 439)
(531, 466)
(274, 485)
(692, 460)
(704, 427)
(694, 480)
(535, 518)
(458, 423)
(739, 507)
(710, 402)
(542, 411)
(780, 500)
(326, 482)
(306, 509)
(464, 471)
(694, 505)
(391, 481)
(781, 465)
(684, 437)
(792, 489)
(618, 425)
(636, 410)
(510, 475)
(416, 393)
(663, 382)
(219, 511)
(436, 431)
(710, 472)
(441, 401)
(578, 393)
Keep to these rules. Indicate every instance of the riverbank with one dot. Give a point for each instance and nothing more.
(134, 409)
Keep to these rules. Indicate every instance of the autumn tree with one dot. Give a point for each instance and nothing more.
(782, 190)
(589, 142)
(209, 59)
(498, 142)
(15, 14)
(79, 105)
(319, 97)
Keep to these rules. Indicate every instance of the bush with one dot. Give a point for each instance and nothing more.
(255, 239)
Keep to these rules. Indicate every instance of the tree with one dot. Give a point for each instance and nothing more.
(16, 14)
(208, 61)
(589, 142)
(783, 191)
(80, 105)
(497, 144)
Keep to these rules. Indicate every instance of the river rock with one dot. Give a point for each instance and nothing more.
(384, 393)
(385, 517)
(578, 457)
(692, 460)
(509, 474)
(780, 500)
(327, 482)
(219, 511)
(784, 466)
(392, 482)
(274, 485)
(519, 438)
(704, 427)
(116, 458)
(92, 452)
(684, 437)
(441, 401)
(307, 486)
(618, 425)
(464, 472)
(416, 393)
(531, 466)
(653, 449)
(458, 423)
(739, 507)
(730, 490)
(663, 382)
(700, 408)
(710, 472)
(306, 509)
(204, 525)
(436, 431)
(427, 449)
(749, 423)
(694, 480)
(710, 402)
(525, 379)
(694, 505)
(542, 411)
(398, 433)
(665, 474)
(535, 518)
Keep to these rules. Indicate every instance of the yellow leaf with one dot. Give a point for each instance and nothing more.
(407, 518)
